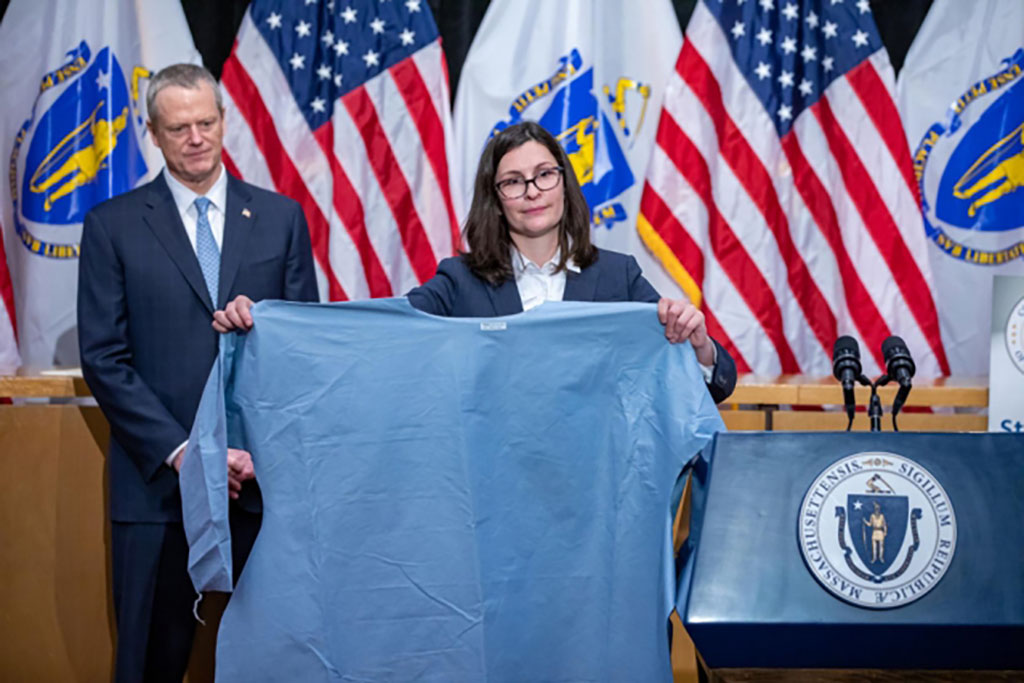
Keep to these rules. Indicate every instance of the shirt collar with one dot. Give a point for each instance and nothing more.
(184, 197)
(520, 263)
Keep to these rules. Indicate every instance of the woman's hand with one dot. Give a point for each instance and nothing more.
(683, 322)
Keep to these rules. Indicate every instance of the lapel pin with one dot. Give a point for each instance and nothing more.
(246, 213)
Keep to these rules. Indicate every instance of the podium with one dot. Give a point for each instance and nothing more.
(762, 592)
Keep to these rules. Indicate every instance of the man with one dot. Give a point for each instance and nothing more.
(156, 264)
(879, 529)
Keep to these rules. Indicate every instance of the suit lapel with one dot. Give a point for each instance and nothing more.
(163, 219)
(505, 298)
(239, 218)
(582, 285)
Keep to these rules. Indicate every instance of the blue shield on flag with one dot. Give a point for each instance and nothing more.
(589, 140)
(85, 148)
(585, 131)
(878, 525)
(982, 185)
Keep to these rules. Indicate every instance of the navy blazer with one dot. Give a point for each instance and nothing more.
(144, 317)
(455, 291)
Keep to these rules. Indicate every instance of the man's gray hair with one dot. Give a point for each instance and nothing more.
(184, 76)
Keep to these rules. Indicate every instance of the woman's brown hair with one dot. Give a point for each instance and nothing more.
(487, 233)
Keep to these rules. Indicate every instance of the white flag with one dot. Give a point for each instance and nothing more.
(961, 95)
(593, 74)
(72, 124)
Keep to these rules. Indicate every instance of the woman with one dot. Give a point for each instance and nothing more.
(528, 233)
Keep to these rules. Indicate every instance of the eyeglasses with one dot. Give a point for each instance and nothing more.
(514, 188)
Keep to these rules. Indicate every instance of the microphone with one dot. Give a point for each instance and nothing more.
(900, 367)
(846, 368)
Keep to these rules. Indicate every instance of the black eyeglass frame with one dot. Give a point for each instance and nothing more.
(527, 181)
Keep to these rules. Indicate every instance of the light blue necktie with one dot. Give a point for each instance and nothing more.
(206, 249)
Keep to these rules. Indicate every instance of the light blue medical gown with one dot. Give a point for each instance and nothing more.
(447, 499)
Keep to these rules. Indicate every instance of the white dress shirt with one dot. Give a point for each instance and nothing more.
(185, 201)
(537, 284)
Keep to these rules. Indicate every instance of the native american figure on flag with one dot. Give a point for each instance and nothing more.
(879, 530)
(82, 162)
(84, 147)
(578, 142)
(1006, 161)
(962, 105)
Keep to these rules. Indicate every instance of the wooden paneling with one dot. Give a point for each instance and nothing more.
(945, 391)
(684, 656)
(815, 391)
(755, 389)
(56, 621)
(56, 609)
(799, 421)
(42, 387)
(743, 420)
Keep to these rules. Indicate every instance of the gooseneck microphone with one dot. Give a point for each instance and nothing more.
(846, 368)
(900, 368)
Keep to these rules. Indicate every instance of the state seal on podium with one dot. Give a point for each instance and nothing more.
(877, 530)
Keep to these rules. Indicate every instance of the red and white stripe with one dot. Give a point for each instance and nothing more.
(9, 358)
(373, 181)
(790, 242)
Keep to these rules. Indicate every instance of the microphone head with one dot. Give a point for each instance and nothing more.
(845, 344)
(845, 356)
(893, 345)
(897, 357)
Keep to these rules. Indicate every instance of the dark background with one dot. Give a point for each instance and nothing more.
(215, 22)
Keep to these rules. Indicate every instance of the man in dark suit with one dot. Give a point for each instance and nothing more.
(156, 264)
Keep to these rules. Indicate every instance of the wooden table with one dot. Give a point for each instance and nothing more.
(807, 403)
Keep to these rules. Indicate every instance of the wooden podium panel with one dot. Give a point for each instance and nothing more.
(56, 608)
(800, 421)
(57, 622)
(743, 420)
(804, 390)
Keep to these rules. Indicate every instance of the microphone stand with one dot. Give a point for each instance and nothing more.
(874, 403)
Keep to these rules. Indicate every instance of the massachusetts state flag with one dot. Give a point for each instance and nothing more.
(593, 74)
(781, 195)
(344, 107)
(961, 94)
(73, 78)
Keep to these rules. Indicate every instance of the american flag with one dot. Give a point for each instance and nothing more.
(9, 359)
(343, 106)
(781, 194)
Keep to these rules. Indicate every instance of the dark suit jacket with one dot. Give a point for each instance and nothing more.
(455, 291)
(144, 317)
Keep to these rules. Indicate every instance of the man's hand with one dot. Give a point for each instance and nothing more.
(683, 322)
(239, 470)
(176, 463)
(235, 316)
